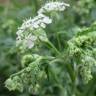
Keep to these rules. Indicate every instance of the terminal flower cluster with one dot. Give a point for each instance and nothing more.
(53, 6)
(31, 24)
(26, 38)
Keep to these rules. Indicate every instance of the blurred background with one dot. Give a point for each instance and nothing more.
(81, 13)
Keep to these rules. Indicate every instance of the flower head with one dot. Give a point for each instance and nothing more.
(39, 21)
(35, 22)
(53, 6)
(27, 34)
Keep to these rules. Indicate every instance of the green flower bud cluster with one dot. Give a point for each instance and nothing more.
(88, 30)
(25, 79)
(81, 43)
(76, 45)
(86, 68)
(82, 51)
(14, 83)
(28, 58)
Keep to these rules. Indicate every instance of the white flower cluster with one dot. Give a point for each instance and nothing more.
(40, 21)
(28, 41)
(53, 6)
(36, 22)
(32, 24)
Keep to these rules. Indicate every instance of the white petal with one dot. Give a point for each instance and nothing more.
(43, 25)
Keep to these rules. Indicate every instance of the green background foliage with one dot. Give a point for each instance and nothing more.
(65, 27)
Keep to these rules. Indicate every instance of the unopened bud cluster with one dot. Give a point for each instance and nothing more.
(82, 48)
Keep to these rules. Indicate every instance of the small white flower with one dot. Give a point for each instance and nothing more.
(19, 32)
(35, 25)
(47, 20)
(30, 40)
(43, 25)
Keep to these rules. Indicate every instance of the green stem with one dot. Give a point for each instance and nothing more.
(54, 48)
(36, 5)
(56, 60)
(58, 40)
(48, 58)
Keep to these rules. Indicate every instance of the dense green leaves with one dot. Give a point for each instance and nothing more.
(63, 64)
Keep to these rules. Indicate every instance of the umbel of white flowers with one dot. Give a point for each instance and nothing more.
(40, 21)
(53, 6)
